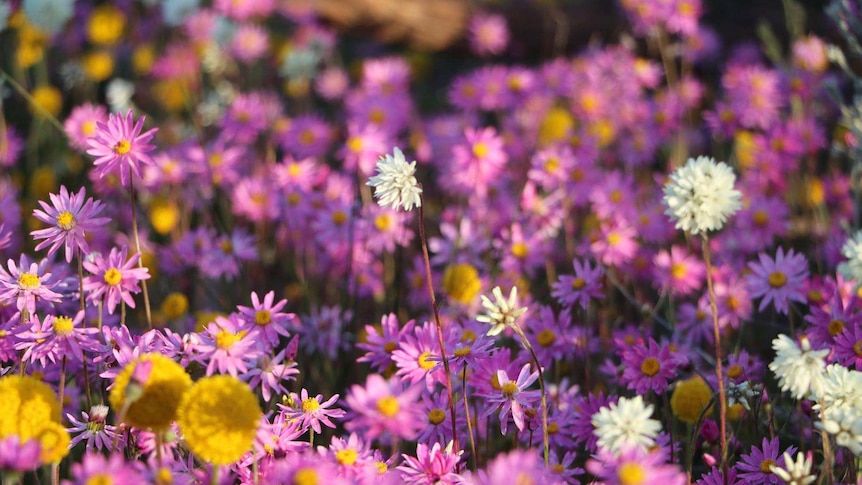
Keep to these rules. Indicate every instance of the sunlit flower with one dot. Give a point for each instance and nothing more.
(395, 183)
(700, 195)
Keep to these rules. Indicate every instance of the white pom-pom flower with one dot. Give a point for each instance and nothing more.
(700, 195)
(395, 183)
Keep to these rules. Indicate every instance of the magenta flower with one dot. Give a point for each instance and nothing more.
(119, 146)
(114, 278)
(53, 338)
(431, 466)
(417, 354)
(585, 284)
(752, 466)
(112, 469)
(93, 428)
(648, 367)
(69, 217)
(779, 281)
(271, 373)
(678, 272)
(632, 465)
(512, 397)
(311, 411)
(82, 122)
(225, 348)
(383, 406)
(380, 344)
(18, 457)
(267, 318)
(489, 34)
(25, 286)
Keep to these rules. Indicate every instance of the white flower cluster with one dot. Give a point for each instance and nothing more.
(700, 195)
(799, 369)
(795, 472)
(395, 183)
(626, 424)
(501, 312)
(852, 250)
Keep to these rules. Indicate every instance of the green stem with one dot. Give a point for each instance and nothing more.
(722, 400)
(545, 437)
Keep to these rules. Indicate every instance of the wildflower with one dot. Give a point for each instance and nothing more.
(417, 354)
(119, 146)
(383, 406)
(700, 195)
(19, 456)
(845, 423)
(56, 337)
(756, 467)
(799, 368)
(795, 472)
(380, 344)
(626, 423)
(502, 313)
(395, 183)
(435, 465)
(93, 428)
(513, 396)
(266, 317)
(148, 390)
(310, 411)
(81, 123)
(689, 400)
(114, 278)
(461, 283)
(584, 285)
(96, 468)
(31, 411)
(634, 466)
(648, 367)
(678, 272)
(780, 281)
(226, 347)
(70, 216)
(26, 286)
(271, 373)
(218, 417)
(489, 34)
(848, 347)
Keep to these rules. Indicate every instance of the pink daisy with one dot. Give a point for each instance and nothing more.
(435, 465)
(380, 342)
(383, 406)
(114, 278)
(24, 286)
(632, 465)
(678, 271)
(81, 123)
(267, 317)
(312, 411)
(489, 34)
(97, 467)
(70, 216)
(648, 367)
(513, 397)
(779, 281)
(478, 162)
(119, 146)
(225, 348)
(579, 288)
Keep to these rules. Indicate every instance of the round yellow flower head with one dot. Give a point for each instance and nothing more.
(689, 399)
(28, 405)
(55, 442)
(150, 399)
(461, 283)
(218, 418)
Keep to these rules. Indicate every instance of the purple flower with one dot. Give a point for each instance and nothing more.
(225, 348)
(25, 286)
(383, 406)
(112, 469)
(56, 337)
(267, 318)
(379, 345)
(632, 465)
(779, 281)
(648, 367)
(18, 457)
(310, 411)
(119, 146)
(69, 217)
(114, 278)
(93, 429)
(431, 466)
(580, 288)
(271, 373)
(754, 468)
(513, 396)
(489, 34)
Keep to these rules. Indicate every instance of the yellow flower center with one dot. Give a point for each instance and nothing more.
(424, 361)
(388, 406)
(225, 340)
(732, 303)
(577, 175)
(766, 465)
(310, 405)
(113, 277)
(382, 467)
(339, 217)
(305, 476)
(614, 238)
(65, 220)
(650, 366)
(836, 327)
(578, 283)
(546, 337)
(553, 428)
(377, 116)
(390, 347)
(495, 382)
(616, 196)
(815, 296)
(520, 250)
(462, 352)
(509, 389)
(346, 457)
(461, 282)
(436, 416)
(677, 271)
(88, 127)
(164, 476)
(354, 143)
(480, 150)
(777, 279)
(62, 325)
(262, 317)
(631, 474)
(760, 218)
(734, 371)
(28, 281)
(100, 479)
(122, 147)
(552, 165)
(306, 137)
(857, 348)
(382, 222)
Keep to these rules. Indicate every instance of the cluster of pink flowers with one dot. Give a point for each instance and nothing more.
(234, 232)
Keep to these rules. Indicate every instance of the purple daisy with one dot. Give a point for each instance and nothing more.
(848, 348)
(431, 465)
(69, 217)
(383, 406)
(512, 397)
(632, 465)
(779, 281)
(312, 411)
(119, 146)
(755, 467)
(267, 318)
(24, 286)
(380, 344)
(580, 288)
(648, 367)
(114, 278)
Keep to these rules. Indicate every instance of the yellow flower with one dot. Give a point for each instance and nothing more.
(218, 418)
(48, 98)
(461, 283)
(98, 65)
(175, 305)
(159, 395)
(31, 45)
(689, 399)
(30, 409)
(55, 442)
(164, 216)
(556, 126)
(143, 58)
(106, 25)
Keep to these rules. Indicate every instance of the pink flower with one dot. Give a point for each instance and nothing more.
(82, 122)
(119, 146)
(580, 288)
(271, 373)
(383, 406)
(69, 217)
(779, 281)
(311, 411)
(25, 286)
(678, 272)
(512, 397)
(226, 348)
(114, 278)
(380, 344)
(616, 468)
(267, 318)
(489, 34)
(112, 469)
(648, 367)
(431, 466)
(17, 457)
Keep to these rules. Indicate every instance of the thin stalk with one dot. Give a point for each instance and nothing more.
(722, 400)
(138, 250)
(545, 437)
(469, 422)
(445, 359)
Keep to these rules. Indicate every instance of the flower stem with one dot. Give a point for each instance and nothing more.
(469, 422)
(545, 436)
(443, 357)
(722, 400)
(138, 250)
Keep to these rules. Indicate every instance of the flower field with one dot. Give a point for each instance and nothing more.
(326, 242)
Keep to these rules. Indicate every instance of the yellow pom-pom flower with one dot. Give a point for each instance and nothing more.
(30, 409)
(48, 98)
(218, 418)
(461, 283)
(689, 399)
(55, 441)
(106, 25)
(151, 403)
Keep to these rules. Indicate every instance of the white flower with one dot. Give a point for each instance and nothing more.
(852, 250)
(174, 12)
(842, 387)
(742, 393)
(700, 195)
(800, 370)
(626, 423)
(798, 472)
(502, 312)
(49, 15)
(395, 183)
(846, 425)
(119, 93)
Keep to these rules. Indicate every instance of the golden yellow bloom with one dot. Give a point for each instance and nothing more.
(31, 44)
(164, 216)
(143, 58)
(106, 25)
(175, 306)
(689, 399)
(48, 98)
(28, 405)
(556, 126)
(461, 283)
(160, 394)
(55, 442)
(218, 418)
(98, 65)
